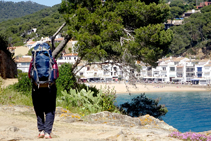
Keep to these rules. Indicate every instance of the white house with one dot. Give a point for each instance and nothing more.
(67, 58)
(23, 63)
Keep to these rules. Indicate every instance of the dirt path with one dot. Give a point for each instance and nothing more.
(19, 123)
(7, 82)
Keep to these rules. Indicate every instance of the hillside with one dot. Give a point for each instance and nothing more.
(11, 10)
(191, 39)
(47, 21)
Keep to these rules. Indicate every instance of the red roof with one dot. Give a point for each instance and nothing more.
(71, 54)
(11, 47)
(59, 39)
(31, 42)
(27, 60)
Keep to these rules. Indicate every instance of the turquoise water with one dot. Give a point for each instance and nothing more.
(187, 111)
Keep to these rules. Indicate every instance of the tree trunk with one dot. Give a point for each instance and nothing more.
(54, 36)
(61, 46)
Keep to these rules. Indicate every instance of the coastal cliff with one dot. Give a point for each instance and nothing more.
(19, 123)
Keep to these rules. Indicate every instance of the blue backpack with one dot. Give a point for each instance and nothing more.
(42, 71)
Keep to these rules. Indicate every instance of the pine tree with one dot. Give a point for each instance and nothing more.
(119, 30)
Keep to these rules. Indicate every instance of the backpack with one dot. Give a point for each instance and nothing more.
(44, 70)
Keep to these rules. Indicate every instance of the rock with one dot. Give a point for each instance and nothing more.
(120, 138)
(103, 126)
(66, 116)
(16, 109)
(116, 119)
(12, 129)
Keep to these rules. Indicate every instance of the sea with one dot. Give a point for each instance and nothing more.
(187, 111)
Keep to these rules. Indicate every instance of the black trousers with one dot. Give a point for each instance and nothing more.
(44, 101)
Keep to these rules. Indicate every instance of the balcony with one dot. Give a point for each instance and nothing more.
(190, 70)
(190, 75)
(206, 70)
(189, 78)
(179, 75)
(179, 70)
(149, 74)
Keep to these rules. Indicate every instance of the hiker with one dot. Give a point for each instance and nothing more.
(43, 72)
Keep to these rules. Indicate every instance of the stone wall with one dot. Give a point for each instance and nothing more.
(8, 68)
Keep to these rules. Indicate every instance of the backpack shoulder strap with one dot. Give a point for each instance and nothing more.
(35, 53)
(50, 65)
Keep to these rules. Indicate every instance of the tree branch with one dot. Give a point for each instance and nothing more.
(122, 40)
(61, 46)
(128, 33)
(76, 64)
(54, 36)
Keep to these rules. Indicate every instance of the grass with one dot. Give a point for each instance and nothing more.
(10, 97)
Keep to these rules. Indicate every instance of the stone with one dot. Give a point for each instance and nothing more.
(12, 129)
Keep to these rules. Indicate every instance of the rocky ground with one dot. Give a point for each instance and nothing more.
(19, 123)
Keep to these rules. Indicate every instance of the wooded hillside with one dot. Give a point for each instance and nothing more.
(11, 10)
(193, 34)
(47, 21)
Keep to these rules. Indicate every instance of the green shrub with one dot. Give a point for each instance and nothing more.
(66, 79)
(109, 98)
(24, 84)
(92, 88)
(141, 105)
(85, 102)
(19, 71)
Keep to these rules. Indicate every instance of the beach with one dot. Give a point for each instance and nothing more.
(137, 88)
(144, 88)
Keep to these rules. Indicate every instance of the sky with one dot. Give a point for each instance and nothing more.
(43, 2)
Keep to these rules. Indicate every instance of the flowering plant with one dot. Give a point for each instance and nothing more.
(190, 136)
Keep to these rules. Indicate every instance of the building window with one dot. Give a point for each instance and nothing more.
(199, 75)
(88, 68)
(149, 68)
(172, 68)
(164, 68)
(206, 68)
(115, 68)
(207, 74)
(25, 64)
(199, 69)
(81, 73)
(111, 73)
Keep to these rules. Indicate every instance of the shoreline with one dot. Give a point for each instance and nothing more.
(121, 88)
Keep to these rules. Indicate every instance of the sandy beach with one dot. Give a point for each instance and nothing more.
(144, 88)
(138, 88)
